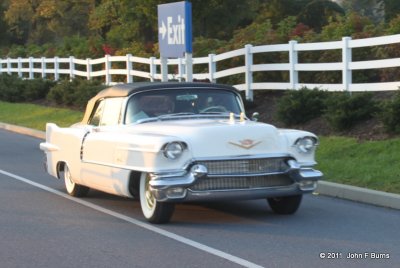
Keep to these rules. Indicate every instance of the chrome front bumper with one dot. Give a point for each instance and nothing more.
(176, 186)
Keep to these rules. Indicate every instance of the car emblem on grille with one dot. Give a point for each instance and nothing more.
(246, 144)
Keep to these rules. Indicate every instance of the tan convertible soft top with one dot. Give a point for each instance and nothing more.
(123, 90)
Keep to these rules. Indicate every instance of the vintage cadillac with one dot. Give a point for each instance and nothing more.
(164, 143)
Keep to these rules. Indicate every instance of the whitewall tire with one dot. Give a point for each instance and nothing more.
(72, 188)
(153, 211)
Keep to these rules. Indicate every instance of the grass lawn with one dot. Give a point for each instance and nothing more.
(36, 116)
(370, 164)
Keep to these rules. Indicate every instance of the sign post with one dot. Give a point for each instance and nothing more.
(175, 35)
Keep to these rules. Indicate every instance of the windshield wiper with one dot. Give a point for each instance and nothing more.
(174, 115)
(161, 117)
(183, 114)
(145, 120)
(220, 113)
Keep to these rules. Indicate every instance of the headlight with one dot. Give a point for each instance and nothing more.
(305, 145)
(173, 150)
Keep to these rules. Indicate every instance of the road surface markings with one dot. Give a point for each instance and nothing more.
(144, 225)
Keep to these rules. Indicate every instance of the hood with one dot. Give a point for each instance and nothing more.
(217, 137)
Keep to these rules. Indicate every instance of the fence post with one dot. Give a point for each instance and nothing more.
(129, 77)
(181, 70)
(212, 67)
(56, 67)
(108, 68)
(89, 69)
(9, 66)
(152, 69)
(164, 69)
(293, 60)
(346, 59)
(43, 62)
(19, 67)
(30, 68)
(71, 67)
(189, 67)
(248, 57)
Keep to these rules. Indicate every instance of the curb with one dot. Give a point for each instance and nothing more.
(353, 193)
(24, 130)
(359, 194)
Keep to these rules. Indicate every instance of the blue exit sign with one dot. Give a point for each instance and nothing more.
(175, 29)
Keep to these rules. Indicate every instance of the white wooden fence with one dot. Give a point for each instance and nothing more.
(157, 69)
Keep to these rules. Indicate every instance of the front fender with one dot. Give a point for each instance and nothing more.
(291, 136)
(139, 152)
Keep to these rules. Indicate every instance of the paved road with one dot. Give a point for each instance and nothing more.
(40, 226)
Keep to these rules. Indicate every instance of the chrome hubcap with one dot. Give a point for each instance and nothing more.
(150, 200)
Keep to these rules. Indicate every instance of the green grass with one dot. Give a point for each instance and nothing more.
(36, 116)
(369, 164)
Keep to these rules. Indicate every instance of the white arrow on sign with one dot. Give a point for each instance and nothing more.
(162, 30)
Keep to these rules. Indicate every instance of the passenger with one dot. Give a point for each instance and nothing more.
(149, 106)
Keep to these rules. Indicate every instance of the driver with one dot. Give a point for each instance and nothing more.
(215, 104)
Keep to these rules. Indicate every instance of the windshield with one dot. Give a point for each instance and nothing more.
(158, 103)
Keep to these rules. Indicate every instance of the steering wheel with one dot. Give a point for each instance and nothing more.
(214, 109)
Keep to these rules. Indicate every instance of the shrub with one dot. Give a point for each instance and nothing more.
(344, 110)
(36, 89)
(390, 114)
(9, 91)
(300, 106)
(74, 93)
(15, 89)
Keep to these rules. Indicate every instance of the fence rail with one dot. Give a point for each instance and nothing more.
(128, 68)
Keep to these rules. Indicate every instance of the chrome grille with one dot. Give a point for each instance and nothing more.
(236, 174)
(245, 166)
(237, 183)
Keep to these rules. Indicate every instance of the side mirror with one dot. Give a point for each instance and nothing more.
(255, 117)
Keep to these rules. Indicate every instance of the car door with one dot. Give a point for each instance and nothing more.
(98, 146)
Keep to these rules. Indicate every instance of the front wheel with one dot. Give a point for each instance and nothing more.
(285, 204)
(73, 189)
(153, 211)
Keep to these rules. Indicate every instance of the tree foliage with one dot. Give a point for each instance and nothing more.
(92, 28)
(219, 19)
(32, 21)
(373, 9)
(121, 22)
(319, 13)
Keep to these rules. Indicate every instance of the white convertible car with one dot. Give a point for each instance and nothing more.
(165, 143)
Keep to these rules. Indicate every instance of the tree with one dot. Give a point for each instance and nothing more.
(35, 21)
(277, 10)
(392, 9)
(313, 13)
(318, 13)
(219, 19)
(373, 9)
(4, 36)
(121, 22)
(19, 17)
